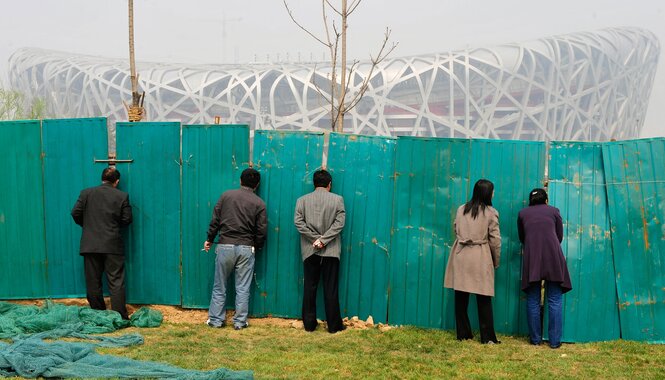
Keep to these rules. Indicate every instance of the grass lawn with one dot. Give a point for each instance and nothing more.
(281, 352)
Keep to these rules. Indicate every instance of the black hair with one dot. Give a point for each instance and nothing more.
(110, 174)
(250, 178)
(537, 197)
(321, 178)
(481, 198)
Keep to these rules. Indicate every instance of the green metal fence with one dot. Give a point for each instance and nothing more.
(152, 180)
(577, 189)
(73, 144)
(400, 194)
(431, 181)
(286, 161)
(515, 167)
(635, 174)
(213, 158)
(363, 173)
(22, 231)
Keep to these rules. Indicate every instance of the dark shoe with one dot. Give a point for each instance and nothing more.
(555, 346)
(310, 326)
(535, 343)
(342, 328)
(240, 327)
(209, 324)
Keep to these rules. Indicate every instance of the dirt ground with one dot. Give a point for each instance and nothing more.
(176, 314)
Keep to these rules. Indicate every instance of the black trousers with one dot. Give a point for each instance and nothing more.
(328, 268)
(485, 317)
(95, 264)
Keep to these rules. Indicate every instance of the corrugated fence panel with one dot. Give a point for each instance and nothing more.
(362, 170)
(515, 167)
(577, 189)
(286, 161)
(431, 182)
(213, 158)
(635, 175)
(73, 144)
(22, 239)
(153, 183)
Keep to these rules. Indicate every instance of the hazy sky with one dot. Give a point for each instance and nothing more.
(228, 31)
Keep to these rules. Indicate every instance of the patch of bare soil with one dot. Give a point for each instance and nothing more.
(177, 314)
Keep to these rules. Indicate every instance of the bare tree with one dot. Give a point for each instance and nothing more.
(135, 110)
(335, 38)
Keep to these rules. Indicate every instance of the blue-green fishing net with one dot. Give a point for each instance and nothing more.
(35, 350)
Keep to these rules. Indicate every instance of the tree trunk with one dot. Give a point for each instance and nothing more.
(132, 64)
(342, 92)
(135, 111)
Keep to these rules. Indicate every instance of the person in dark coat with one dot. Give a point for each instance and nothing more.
(540, 230)
(102, 211)
(239, 219)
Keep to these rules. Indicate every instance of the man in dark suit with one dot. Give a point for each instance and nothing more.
(319, 217)
(102, 211)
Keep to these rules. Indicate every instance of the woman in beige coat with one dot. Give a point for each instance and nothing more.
(473, 259)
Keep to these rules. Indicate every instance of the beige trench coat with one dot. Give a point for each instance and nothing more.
(476, 252)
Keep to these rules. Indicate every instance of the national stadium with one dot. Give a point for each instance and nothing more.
(586, 86)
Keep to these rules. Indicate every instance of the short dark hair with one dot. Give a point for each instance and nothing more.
(250, 178)
(321, 178)
(110, 174)
(537, 197)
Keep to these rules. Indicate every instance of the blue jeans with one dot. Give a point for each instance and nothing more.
(229, 258)
(554, 307)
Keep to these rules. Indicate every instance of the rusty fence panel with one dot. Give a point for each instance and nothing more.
(286, 161)
(362, 170)
(577, 189)
(635, 175)
(213, 158)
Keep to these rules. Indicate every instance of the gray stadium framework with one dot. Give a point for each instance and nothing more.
(590, 86)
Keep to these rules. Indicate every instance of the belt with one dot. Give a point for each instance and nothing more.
(473, 242)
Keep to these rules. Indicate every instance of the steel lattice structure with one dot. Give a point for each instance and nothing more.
(591, 86)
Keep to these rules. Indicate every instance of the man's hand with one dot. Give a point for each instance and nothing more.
(318, 244)
(206, 246)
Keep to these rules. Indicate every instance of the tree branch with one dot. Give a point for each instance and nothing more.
(352, 7)
(332, 7)
(316, 86)
(375, 62)
(301, 26)
(334, 38)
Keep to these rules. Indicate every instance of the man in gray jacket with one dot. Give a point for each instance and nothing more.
(319, 217)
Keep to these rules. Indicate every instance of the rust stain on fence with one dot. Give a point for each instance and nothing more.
(645, 230)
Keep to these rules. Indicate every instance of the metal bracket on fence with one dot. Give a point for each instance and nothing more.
(113, 161)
